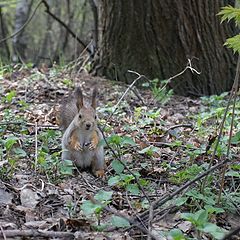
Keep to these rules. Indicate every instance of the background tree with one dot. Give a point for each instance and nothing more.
(156, 38)
(20, 40)
(43, 39)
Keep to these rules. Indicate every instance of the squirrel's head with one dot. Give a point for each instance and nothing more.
(87, 117)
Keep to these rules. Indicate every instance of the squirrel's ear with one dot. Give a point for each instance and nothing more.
(79, 96)
(94, 98)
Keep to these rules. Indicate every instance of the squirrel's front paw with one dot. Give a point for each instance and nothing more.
(92, 146)
(77, 147)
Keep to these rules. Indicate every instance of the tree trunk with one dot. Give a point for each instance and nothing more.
(20, 40)
(156, 38)
(5, 51)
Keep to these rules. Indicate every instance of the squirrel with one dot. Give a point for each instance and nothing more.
(80, 141)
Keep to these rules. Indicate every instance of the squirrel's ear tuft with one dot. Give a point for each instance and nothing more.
(94, 98)
(79, 96)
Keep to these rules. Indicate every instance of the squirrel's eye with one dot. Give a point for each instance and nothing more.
(80, 116)
(95, 117)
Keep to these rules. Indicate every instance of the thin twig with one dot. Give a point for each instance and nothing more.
(189, 66)
(36, 146)
(3, 233)
(124, 94)
(235, 88)
(150, 218)
(180, 125)
(233, 91)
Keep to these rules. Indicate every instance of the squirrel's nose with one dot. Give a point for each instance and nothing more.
(88, 125)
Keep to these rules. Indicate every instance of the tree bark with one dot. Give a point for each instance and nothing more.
(156, 38)
(4, 52)
(20, 40)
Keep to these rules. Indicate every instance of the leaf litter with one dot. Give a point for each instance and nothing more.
(43, 198)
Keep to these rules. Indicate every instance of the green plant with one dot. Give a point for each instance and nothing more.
(196, 200)
(13, 154)
(50, 161)
(186, 174)
(200, 220)
(53, 166)
(176, 234)
(9, 97)
(96, 206)
(231, 13)
(159, 90)
(68, 82)
(121, 179)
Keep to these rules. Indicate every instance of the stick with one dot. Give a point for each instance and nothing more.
(40, 233)
(36, 146)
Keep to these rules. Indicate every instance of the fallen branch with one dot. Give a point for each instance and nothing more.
(40, 233)
(169, 196)
(180, 125)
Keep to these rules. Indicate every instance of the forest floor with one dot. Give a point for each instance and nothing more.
(154, 150)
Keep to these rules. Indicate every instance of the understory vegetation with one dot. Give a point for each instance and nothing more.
(152, 150)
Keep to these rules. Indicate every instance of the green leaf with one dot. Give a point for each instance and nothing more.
(236, 138)
(20, 152)
(114, 139)
(114, 180)
(212, 209)
(232, 173)
(176, 234)
(202, 217)
(89, 208)
(180, 201)
(133, 188)
(128, 141)
(228, 13)
(189, 217)
(234, 43)
(149, 150)
(9, 96)
(10, 141)
(214, 230)
(117, 166)
(119, 222)
(103, 196)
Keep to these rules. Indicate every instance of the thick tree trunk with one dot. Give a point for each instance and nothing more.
(156, 38)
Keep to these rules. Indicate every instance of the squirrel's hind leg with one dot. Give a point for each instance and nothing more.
(98, 163)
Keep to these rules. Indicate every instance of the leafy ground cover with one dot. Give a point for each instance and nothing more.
(156, 143)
